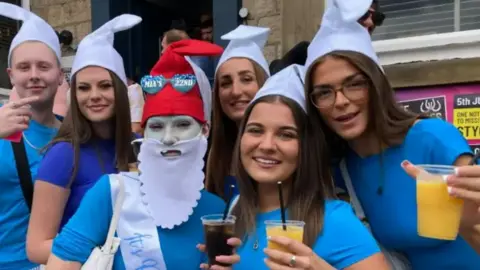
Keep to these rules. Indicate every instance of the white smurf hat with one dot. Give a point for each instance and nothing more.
(97, 49)
(340, 31)
(248, 42)
(288, 83)
(33, 28)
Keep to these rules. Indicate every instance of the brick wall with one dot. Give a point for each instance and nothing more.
(267, 13)
(71, 15)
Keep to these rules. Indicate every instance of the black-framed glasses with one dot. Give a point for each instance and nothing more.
(354, 89)
(377, 17)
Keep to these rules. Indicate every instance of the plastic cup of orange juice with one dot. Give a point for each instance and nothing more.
(438, 214)
(292, 229)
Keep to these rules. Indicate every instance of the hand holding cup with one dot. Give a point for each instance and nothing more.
(224, 259)
(292, 255)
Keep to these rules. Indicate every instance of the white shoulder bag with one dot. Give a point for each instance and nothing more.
(101, 258)
(397, 260)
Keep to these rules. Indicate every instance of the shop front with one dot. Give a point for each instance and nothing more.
(429, 51)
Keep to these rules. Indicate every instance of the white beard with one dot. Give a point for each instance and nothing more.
(171, 187)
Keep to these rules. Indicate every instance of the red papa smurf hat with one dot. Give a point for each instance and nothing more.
(176, 85)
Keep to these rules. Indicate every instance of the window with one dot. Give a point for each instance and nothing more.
(406, 18)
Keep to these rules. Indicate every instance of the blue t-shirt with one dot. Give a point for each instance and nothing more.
(393, 214)
(14, 213)
(343, 241)
(96, 158)
(88, 229)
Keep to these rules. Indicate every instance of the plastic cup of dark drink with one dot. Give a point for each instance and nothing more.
(217, 232)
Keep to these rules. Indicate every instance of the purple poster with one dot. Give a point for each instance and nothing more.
(459, 105)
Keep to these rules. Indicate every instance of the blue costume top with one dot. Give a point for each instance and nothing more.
(95, 159)
(393, 214)
(343, 241)
(88, 229)
(14, 213)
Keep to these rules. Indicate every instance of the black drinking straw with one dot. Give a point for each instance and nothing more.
(282, 206)
(230, 197)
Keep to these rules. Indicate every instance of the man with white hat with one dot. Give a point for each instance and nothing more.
(34, 70)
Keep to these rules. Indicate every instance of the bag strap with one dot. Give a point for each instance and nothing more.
(116, 213)
(23, 171)
(357, 207)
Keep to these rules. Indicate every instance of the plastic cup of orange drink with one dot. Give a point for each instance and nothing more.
(438, 214)
(292, 229)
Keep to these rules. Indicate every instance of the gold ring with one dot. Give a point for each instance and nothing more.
(293, 261)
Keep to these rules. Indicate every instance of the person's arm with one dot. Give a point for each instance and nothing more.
(135, 96)
(87, 229)
(472, 236)
(348, 243)
(49, 200)
(451, 148)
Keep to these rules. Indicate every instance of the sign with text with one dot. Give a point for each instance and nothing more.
(476, 148)
(466, 115)
(433, 106)
(458, 104)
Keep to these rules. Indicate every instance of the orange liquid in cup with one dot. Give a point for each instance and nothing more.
(438, 214)
(294, 231)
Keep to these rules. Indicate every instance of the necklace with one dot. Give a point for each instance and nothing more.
(255, 244)
(30, 144)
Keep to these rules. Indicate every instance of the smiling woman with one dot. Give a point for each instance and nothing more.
(241, 71)
(93, 140)
(275, 147)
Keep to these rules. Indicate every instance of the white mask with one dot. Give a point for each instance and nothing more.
(171, 185)
(172, 129)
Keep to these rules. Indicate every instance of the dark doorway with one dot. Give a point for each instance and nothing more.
(8, 30)
(140, 47)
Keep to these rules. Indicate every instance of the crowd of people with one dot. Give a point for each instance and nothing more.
(98, 186)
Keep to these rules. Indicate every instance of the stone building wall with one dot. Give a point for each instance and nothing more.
(267, 13)
(72, 15)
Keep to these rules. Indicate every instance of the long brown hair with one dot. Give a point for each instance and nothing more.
(224, 135)
(76, 129)
(387, 119)
(311, 183)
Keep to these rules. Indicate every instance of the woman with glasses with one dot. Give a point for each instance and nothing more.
(371, 138)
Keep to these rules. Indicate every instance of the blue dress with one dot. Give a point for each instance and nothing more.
(393, 214)
(95, 159)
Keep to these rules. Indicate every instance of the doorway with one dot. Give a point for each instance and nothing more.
(8, 30)
(140, 47)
